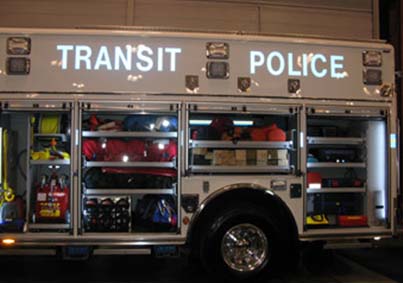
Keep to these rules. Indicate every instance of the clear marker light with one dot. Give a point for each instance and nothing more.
(377, 238)
(125, 158)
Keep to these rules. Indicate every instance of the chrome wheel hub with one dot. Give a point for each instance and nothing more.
(244, 247)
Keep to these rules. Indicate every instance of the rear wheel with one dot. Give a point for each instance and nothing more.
(242, 243)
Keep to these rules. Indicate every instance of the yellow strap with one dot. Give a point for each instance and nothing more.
(8, 192)
(317, 219)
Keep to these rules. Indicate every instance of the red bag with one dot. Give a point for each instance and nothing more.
(115, 150)
(92, 150)
(161, 152)
(276, 134)
(221, 124)
(52, 200)
(118, 150)
(258, 134)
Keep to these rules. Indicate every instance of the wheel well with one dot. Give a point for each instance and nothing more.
(272, 203)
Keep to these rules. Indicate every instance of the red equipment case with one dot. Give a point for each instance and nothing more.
(52, 200)
(352, 220)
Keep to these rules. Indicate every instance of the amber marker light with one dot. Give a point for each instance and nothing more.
(186, 220)
(8, 242)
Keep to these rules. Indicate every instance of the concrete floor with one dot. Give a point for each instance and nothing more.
(346, 267)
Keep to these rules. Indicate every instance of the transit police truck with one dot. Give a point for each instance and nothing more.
(235, 147)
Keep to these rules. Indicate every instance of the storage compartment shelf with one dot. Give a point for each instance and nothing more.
(118, 192)
(240, 144)
(336, 190)
(335, 140)
(240, 169)
(48, 226)
(336, 165)
(130, 164)
(50, 162)
(62, 137)
(124, 134)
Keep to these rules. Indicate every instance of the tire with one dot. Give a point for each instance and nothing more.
(254, 253)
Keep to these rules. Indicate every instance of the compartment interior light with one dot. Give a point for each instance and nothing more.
(237, 123)
(315, 186)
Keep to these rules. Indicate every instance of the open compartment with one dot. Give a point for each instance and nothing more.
(36, 167)
(129, 154)
(347, 164)
(241, 139)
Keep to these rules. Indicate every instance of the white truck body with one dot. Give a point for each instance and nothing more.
(103, 71)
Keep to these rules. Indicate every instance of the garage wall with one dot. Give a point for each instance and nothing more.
(333, 18)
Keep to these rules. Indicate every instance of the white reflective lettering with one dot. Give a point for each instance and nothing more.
(335, 65)
(120, 57)
(65, 49)
(83, 54)
(291, 71)
(103, 59)
(281, 63)
(172, 61)
(160, 61)
(315, 72)
(256, 60)
(304, 65)
(144, 58)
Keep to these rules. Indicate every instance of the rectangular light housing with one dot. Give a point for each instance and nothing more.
(217, 50)
(372, 58)
(18, 66)
(217, 70)
(18, 45)
(372, 77)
